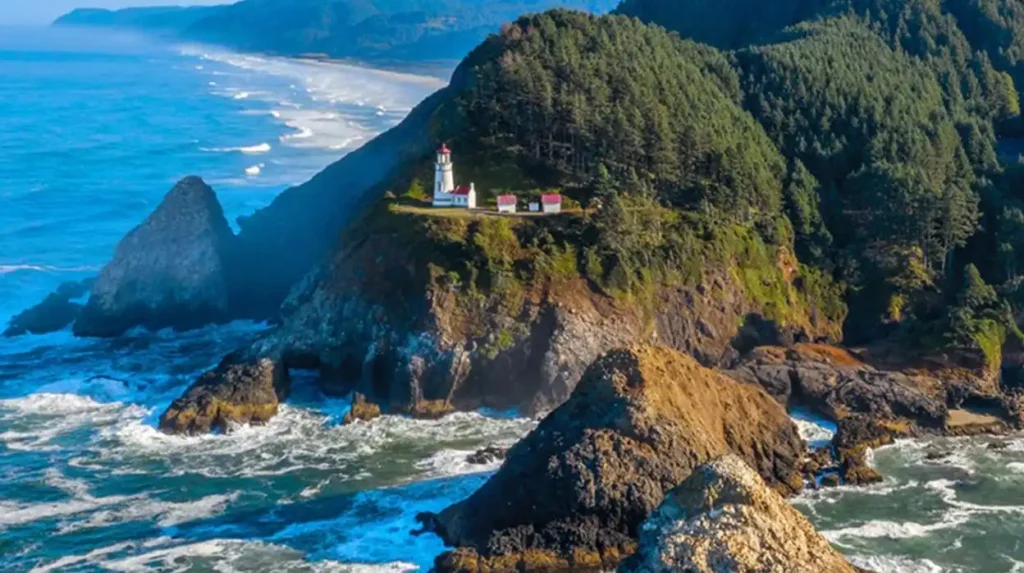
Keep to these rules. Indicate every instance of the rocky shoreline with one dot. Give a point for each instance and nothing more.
(632, 415)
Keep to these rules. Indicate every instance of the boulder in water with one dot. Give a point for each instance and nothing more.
(56, 312)
(724, 518)
(237, 392)
(362, 409)
(170, 271)
(572, 494)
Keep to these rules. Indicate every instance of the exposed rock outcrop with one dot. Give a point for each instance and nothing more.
(724, 518)
(237, 392)
(362, 410)
(574, 491)
(57, 311)
(384, 318)
(874, 399)
(488, 455)
(170, 271)
(838, 383)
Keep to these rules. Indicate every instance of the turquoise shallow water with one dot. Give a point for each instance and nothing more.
(93, 131)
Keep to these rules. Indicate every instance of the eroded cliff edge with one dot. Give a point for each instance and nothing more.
(428, 312)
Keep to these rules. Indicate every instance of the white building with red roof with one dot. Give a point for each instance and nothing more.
(446, 194)
(551, 203)
(507, 203)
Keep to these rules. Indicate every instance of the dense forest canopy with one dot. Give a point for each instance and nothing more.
(877, 139)
(586, 98)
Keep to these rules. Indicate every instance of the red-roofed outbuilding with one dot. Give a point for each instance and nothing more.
(551, 202)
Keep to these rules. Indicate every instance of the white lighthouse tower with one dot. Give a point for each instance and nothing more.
(444, 178)
(446, 194)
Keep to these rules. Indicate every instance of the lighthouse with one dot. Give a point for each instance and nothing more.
(446, 194)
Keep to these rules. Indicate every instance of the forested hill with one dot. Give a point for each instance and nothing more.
(903, 116)
(871, 138)
(405, 30)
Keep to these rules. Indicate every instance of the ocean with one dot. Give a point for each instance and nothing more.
(94, 130)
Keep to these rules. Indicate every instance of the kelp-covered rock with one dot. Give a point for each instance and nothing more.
(173, 270)
(574, 491)
(237, 392)
(724, 518)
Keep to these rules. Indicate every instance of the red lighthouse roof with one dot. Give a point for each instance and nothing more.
(444, 149)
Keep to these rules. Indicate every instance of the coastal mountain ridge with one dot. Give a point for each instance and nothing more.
(373, 30)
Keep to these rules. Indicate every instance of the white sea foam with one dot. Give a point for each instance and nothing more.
(301, 132)
(7, 269)
(325, 94)
(144, 508)
(896, 530)
(248, 150)
(946, 489)
(237, 555)
(16, 513)
(895, 564)
(815, 430)
(455, 462)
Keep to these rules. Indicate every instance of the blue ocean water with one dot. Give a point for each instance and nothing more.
(93, 131)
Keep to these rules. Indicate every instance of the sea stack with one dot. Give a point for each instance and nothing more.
(573, 493)
(170, 271)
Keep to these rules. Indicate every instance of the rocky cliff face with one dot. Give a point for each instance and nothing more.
(724, 518)
(173, 270)
(878, 395)
(573, 493)
(412, 313)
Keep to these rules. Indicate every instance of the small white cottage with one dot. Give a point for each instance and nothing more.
(507, 203)
(551, 203)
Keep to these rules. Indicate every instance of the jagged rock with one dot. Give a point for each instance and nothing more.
(835, 383)
(486, 456)
(237, 392)
(724, 519)
(857, 434)
(574, 491)
(170, 271)
(431, 409)
(361, 409)
(56, 312)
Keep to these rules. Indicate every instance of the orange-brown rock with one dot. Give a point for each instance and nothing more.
(724, 518)
(245, 392)
(361, 409)
(573, 493)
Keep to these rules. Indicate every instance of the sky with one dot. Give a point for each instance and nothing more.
(45, 11)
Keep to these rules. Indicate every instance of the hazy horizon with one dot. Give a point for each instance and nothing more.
(40, 12)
